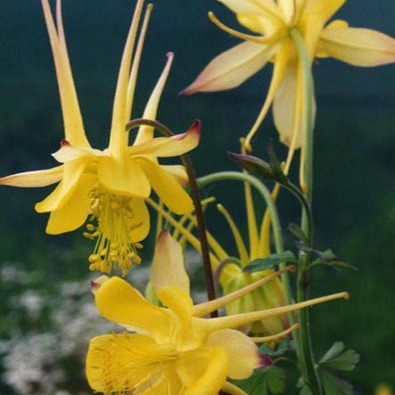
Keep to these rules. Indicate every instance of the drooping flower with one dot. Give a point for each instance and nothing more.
(110, 185)
(172, 349)
(271, 22)
(229, 266)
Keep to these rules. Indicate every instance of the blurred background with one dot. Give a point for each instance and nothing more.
(354, 196)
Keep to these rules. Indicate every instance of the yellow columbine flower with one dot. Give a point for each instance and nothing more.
(272, 21)
(109, 184)
(229, 267)
(172, 350)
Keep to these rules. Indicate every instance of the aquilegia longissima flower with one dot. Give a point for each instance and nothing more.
(111, 185)
(173, 350)
(272, 21)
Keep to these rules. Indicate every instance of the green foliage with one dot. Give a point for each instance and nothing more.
(272, 260)
(267, 381)
(337, 359)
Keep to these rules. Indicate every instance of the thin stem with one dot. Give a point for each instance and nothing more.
(196, 202)
(310, 373)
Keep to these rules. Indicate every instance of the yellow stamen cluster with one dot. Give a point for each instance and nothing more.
(111, 223)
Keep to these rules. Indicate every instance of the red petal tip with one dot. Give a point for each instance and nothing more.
(64, 143)
(264, 361)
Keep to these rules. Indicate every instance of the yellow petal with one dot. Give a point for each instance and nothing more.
(116, 300)
(231, 389)
(72, 173)
(74, 129)
(163, 147)
(250, 6)
(123, 177)
(166, 186)
(178, 172)
(141, 217)
(74, 213)
(241, 351)
(147, 132)
(204, 372)
(231, 68)
(181, 304)
(119, 115)
(127, 362)
(358, 46)
(315, 15)
(136, 60)
(168, 268)
(68, 152)
(32, 179)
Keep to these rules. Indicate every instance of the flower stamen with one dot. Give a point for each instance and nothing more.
(111, 223)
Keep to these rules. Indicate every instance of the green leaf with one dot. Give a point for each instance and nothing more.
(272, 260)
(337, 358)
(283, 348)
(297, 231)
(304, 389)
(334, 385)
(267, 381)
(337, 265)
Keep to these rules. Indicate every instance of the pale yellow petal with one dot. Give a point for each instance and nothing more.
(123, 177)
(74, 213)
(241, 351)
(287, 107)
(358, 46)
(72, 173)
(147, 132)
(204, 372)
(118, 301)
(287, 8)
(315, 15)
(74, 129)
(231, 68)
(168, 268)
(166, 187)
(253, 7)
(33, 179)
(163, 147)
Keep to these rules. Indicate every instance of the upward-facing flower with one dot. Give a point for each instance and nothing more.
(172, 350)
(109, 184)
(271, 21)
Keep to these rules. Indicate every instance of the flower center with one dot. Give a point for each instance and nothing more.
(111, 223)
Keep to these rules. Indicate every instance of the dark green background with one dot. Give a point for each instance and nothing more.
(354, 197)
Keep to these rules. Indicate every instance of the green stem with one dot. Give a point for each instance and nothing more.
(275, 220)
(310, 373)
(208, 273)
